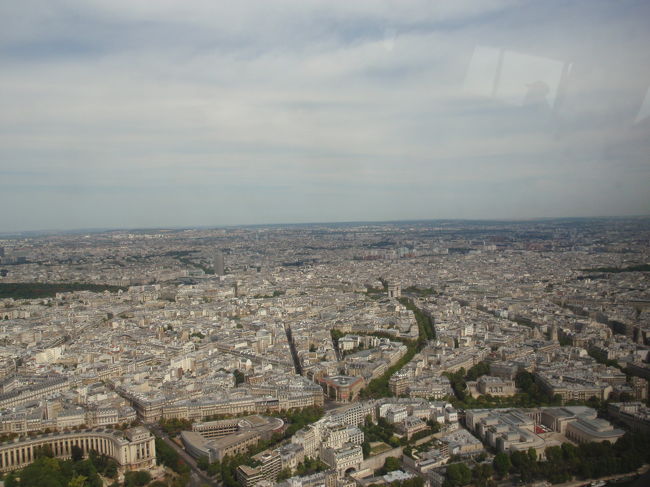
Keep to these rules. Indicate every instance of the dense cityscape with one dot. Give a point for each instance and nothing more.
(423, 353)
(290, 243)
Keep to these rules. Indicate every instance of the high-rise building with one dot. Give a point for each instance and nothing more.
(218, 263)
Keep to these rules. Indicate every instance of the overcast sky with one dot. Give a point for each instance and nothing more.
(143, 113)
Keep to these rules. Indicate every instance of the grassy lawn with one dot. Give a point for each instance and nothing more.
(378, 447)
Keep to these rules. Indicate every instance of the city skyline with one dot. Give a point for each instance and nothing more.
(422, 221)
(397, 353)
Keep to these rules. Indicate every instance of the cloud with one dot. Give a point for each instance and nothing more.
(307, 110)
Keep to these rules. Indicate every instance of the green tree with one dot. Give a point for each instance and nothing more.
(365, 447)
(43, 451)
(11, 480)
(87, 469)
(433, 425)
(44, 472)
(77, 481)
(476, 371)
(482, 474)
(76, 453)
(457, 475)
(284, 474)
(501, 464)
(136, 478)
(390, 464)
(215, 468)
(175, 425)
(240, 378)
(203, 463)
(166, 455)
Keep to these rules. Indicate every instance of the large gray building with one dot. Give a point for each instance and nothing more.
(218, 263)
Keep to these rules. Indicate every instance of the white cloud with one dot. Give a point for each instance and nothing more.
(346, 100)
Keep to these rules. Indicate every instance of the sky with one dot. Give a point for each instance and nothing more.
(141, 113)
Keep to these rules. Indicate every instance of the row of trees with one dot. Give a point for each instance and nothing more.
(298, 419)
(459, 474)
(420, 291)
(426, 328)
(37, 290)
(378, 387)
(174, 426)
(562, 463)
(585, 461)
(167, 456)
(616, 270)
(225, 471)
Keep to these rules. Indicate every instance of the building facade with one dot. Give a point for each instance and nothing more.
(134, 449)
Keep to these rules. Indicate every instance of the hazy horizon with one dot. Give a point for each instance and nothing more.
(478, 221)
(136, 114)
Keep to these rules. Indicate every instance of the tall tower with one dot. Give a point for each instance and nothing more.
(218, 263)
